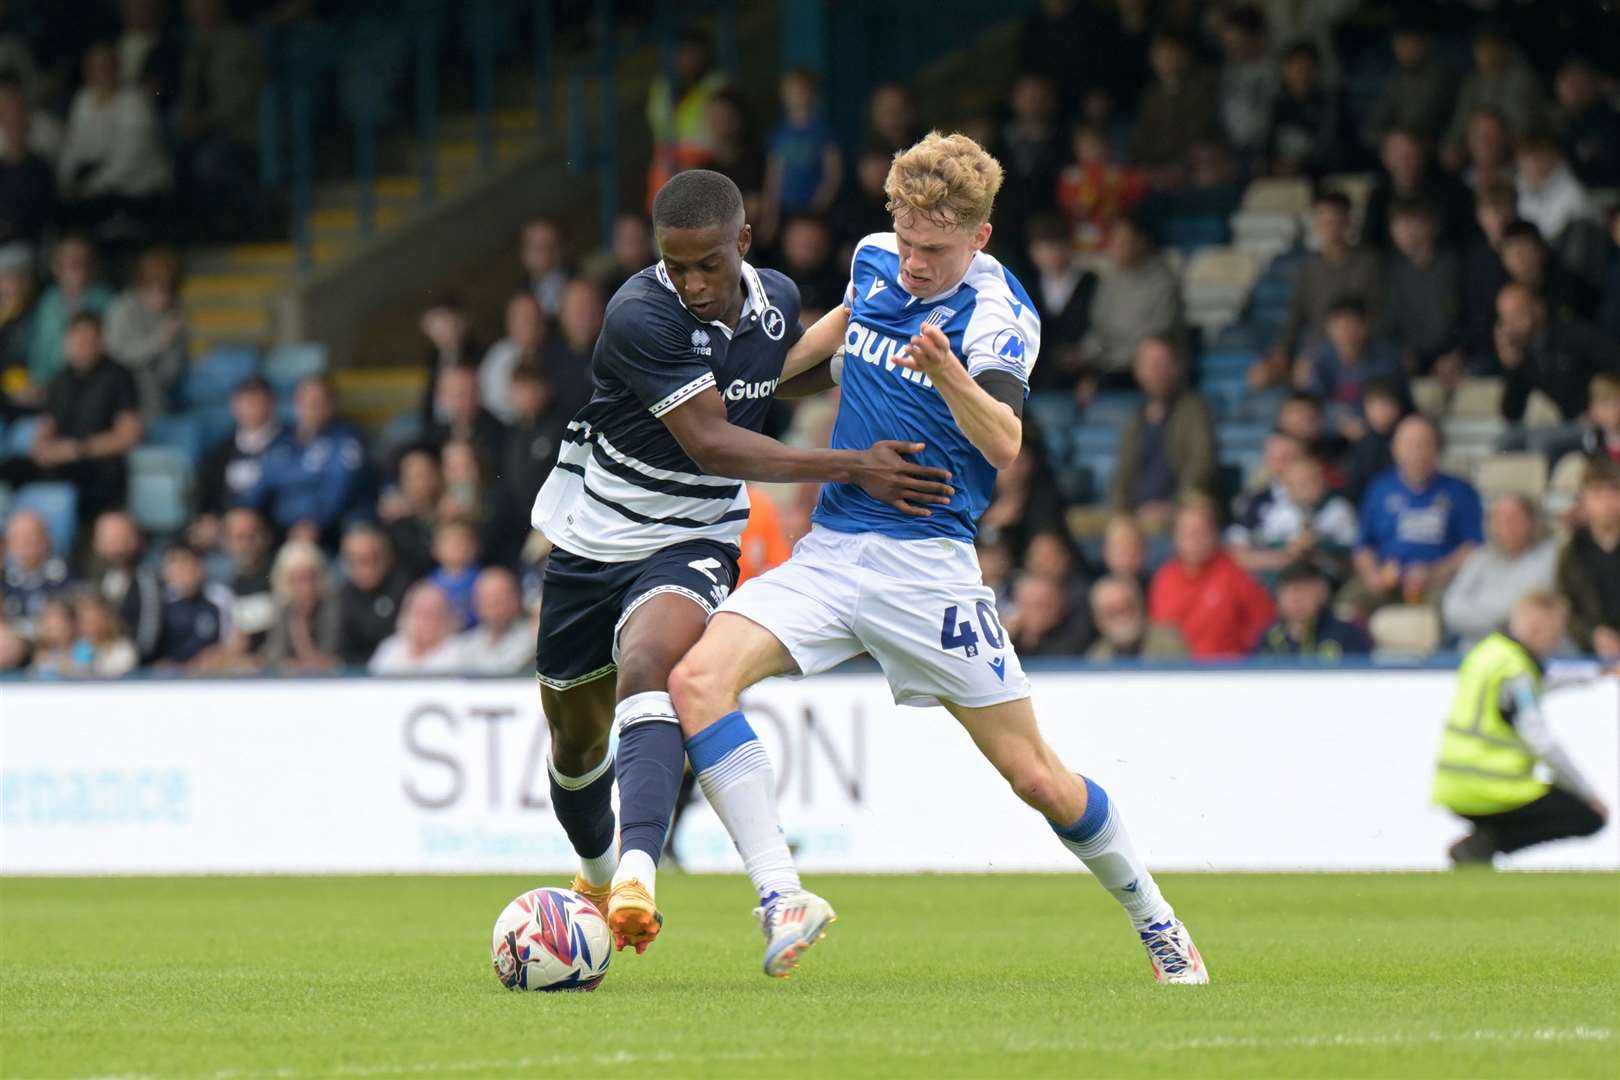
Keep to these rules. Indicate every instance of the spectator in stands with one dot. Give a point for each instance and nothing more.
(808, 258)
(1093, 191)
(313, 481)
(1418, 525)
(1409, 174)
(231, 472)
(1589, 565)
(1337, 271)
(460, 414)
(1074, 45)
(1418, 96)
(1179, 109)
(120, 576)
(248, 546)
(677, 110)
(1304, 626)
(1203, 592)
(410, 512)
(1306, 136)
(13, 647)
(1338, 368)
(55, 635)
(1383, 403)
(546, 272)
(146, 330)
(90, 420)
(455, 550)
(1062, 293)
(1248, 80)
(1556, 356)
(1529, 262)
(735, 150)
(1590, 124)
(1423, 297)
(368, 603)
(27, 188)
(1495, 208)
(17, 294)
(1124, 551)
(1516, 559)
(468, 497)
(891, 118)
(525, 336)
(805, 167)
(1499, 81)
(1303, 417)
(1024, 501)
(502, 642)
(631, 251)
(1139, 297)
(450, 344)
(217, 120)
(1490, 150)
(533, 440)
(149, 52)
(566, 358)
(1030, 147)
(193, 623)
(103, 641)
(112, 163)
(1042, 621)
(1601, 435)
(863, 209)
(33, 572)
(17, 55)
(1123, 629)
(1168, 447)
(1295, 519)
(304, 636)
(425, 642)
(1550, 195)
(74, 290)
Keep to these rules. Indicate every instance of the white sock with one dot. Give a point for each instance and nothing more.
(637, 865)
(1100, 840)
(736, 778)
(599, 868)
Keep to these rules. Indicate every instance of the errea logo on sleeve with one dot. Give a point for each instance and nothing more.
(700, 343)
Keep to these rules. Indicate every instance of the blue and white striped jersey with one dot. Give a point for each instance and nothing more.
(623, 489)
(991, 325)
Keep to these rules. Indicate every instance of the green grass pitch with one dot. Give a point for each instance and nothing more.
(1467, 975)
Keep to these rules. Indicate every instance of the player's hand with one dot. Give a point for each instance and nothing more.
(928, 352)
(883, 473)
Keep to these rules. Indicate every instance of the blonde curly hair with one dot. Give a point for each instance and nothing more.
(949, 180)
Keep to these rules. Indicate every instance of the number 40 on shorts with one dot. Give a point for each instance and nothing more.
(960, 635)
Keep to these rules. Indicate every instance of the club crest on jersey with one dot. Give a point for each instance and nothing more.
(774, 323)
(875, 348)
(700, 343)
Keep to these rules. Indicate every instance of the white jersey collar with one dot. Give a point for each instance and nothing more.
(754, 299)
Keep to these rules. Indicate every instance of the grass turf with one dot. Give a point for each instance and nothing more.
(1412, 975)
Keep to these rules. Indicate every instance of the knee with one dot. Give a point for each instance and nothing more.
(696, 688)
(644, 671)
(1037, 784)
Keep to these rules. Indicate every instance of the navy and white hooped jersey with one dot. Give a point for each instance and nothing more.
(991, 325)
(623, 488)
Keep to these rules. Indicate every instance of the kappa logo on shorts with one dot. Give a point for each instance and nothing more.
(700, 343)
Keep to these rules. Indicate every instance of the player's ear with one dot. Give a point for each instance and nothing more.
(981, 236)
(745, 239)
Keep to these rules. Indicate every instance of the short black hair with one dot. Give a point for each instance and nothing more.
(253, 384)
(1348, 305)
(697, 199)
(1336, 199)
(1303, 397)
(82, 318)
(1385, 388)
(1523, 230)
(1306, 50)
(1412, 206)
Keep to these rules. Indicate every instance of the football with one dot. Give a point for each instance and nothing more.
(551, 939)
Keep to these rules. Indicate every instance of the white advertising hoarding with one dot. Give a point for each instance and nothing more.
(1218, 770)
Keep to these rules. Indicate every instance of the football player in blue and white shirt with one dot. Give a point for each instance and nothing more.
(645, 510)
(935, 342)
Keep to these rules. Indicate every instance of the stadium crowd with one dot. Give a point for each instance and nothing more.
(1482, 251)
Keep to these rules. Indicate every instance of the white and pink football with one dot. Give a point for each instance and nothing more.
(551, 939)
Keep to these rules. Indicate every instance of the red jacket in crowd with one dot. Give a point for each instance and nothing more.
(1219, 609)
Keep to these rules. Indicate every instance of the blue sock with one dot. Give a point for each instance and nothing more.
(736, 776)
(1093, 821)
(584, 806)
(652, 759)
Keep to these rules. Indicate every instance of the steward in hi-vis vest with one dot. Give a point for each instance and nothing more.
(1499, 766)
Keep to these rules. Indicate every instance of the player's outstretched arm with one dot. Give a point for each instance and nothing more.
(721, 448)
(990, 424)
(817, 344)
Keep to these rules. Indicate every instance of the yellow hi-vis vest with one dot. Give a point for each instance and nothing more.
(1484, 767)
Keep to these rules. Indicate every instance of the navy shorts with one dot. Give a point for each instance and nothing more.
(583, 603)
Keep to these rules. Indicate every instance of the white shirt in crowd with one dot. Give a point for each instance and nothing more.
(509, 653)
(495, 378)
(115, 143)
(1555, 204)
(393, 657)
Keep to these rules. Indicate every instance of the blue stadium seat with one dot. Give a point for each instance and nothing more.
(1260, 406)
(1241, 435)
(211, 380)
(20, 436)
(176, 431)
(159, 488)
(399, 432)
(1197, 231)
(1052, 411)
(1113, 407)
(57, 505)
(6, 497)
(288, 365)
(1212, 362)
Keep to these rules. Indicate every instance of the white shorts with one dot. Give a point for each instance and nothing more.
(919, 607)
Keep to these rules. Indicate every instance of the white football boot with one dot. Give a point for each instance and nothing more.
(792, 922)
(1174, 957)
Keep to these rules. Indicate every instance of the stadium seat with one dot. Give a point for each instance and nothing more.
(20, 436)
(399, 432)
(57, 504)
(6, 497)
(176, 431)
(1429, 395)
(1565, 484)
(1277, 196)
(288, 365)
(1540, 412)
(1477, 398)
(1405, 630)
(211, 380)
(1052, 411)
(159, 488)
(214, 426)
(1511, 474)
